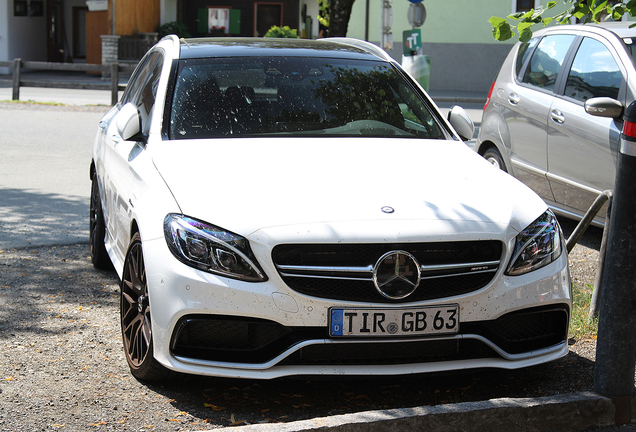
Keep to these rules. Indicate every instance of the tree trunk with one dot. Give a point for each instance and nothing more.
(339, 14)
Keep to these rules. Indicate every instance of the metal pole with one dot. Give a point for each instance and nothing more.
(17, 72)
(616, 345)
(366, 23)
(599, 202)
(114, 83)
(598, 281)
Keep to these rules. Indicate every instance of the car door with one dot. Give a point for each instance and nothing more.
(582, 149)
(528, 105)
(120, 154)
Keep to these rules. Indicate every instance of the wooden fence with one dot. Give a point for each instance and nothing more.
(112, 69)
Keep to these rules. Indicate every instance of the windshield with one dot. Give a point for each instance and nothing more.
(256, 96)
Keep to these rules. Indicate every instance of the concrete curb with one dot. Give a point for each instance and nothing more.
(569, 412)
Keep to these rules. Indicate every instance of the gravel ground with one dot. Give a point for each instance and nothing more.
(62, 366)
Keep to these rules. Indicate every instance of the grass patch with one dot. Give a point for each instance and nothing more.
(32, 102)
(580, 325)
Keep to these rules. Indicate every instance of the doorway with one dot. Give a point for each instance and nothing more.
(56, 45)
(267, 15)
(79, 32)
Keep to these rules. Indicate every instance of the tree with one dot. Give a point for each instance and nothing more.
(584, 10)
(339, 14)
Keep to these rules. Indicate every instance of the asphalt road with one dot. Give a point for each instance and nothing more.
(45, 152)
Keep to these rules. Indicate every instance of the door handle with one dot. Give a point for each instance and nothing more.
(513, 98)
(103, 124)
(557, 116)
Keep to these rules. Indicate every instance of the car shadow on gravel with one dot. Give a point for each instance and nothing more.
(242, 401)
(62, 358)
(29, 218)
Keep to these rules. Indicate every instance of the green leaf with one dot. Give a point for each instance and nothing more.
(551, 4)
(598, 10)
(580, 10)
(525, 31)
(546, 21)
(527, 15)
(501, 29)
(516, 16)
(525, 36)
(618, 11)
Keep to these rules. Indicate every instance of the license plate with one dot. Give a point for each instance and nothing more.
(394, 322)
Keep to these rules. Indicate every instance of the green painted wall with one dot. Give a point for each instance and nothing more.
(447, 21)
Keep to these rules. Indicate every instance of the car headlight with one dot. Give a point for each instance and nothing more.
(211, 249)
(536, 246)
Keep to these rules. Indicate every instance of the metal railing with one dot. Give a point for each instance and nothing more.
(605, 196)
(113, 69)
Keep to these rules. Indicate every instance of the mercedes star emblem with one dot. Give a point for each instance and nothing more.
(396, 275)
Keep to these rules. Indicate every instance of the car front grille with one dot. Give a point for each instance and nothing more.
(345, 271)
(258, 341)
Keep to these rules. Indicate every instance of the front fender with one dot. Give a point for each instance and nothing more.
(494, 133)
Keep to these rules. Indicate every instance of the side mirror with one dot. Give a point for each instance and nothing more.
(461, 122)
(129, 123)
(604, 107)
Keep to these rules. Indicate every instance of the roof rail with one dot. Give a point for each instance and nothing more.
(367, 46)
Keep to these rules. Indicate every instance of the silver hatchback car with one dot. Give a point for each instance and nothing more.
(553, 115)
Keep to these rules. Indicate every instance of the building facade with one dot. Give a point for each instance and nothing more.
(456, 34)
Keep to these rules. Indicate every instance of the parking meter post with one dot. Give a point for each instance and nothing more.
(616, 345)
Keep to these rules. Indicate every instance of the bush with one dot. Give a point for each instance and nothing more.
(281, 32)
(174, 27)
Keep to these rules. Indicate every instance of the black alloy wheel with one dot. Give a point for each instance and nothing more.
(135, 317)
(99, 256)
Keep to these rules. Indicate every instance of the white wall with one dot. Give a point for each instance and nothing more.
(312, 12)
(168, 11)
(26, 38)
(4, 34)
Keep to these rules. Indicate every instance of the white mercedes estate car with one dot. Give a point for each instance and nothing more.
(279, 207)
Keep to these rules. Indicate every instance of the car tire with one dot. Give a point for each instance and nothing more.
(99, 256)
(136, 325)
(493, 156)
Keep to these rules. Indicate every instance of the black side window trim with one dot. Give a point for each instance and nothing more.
(172, 81)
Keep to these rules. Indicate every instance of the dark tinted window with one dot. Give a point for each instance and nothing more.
(594, 72)
(255, 96)
(546, 61)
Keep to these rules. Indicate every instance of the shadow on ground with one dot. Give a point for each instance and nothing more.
(63, 359)
(31, 218)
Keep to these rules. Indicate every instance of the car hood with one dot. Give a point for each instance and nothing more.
(245, 185)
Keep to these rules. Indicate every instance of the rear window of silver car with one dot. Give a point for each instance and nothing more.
(257, 96)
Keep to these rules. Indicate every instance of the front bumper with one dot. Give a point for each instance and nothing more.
(209, 325)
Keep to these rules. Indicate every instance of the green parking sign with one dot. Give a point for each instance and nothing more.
(412, 41)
